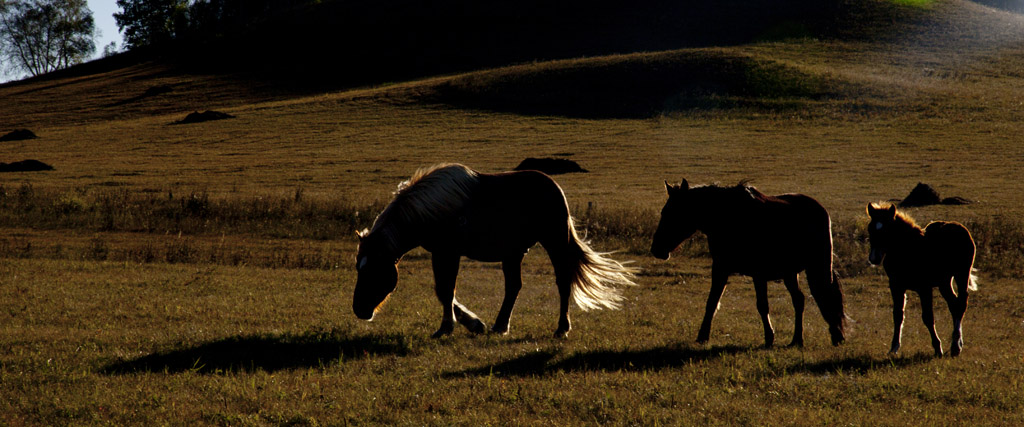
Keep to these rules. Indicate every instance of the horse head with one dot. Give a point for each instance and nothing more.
(879, 230)
(677, 223)
(377, 276)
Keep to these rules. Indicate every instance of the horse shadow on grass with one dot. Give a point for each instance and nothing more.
(859, 365)
(265, 352)
(542, 362)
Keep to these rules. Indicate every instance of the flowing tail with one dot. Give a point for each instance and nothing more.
(597, 279)
(829, 296)
(838, 303)
(972, 280)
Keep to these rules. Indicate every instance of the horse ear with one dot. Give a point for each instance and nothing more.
(871, 209)
(890, 212)
(675, 189)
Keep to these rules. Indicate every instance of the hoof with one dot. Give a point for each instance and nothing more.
(477, 327)
(796, 343)
(561, 334)
(499, 330)
(838, 337)
(442, 331)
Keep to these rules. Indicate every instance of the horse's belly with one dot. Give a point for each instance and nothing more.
(494, 246)
(767, 265)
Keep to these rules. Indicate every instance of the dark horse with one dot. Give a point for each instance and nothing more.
(764, 237)
(921, 259)
(453, 211)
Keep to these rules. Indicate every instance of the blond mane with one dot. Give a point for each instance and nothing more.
(900, 216)
(430, 195)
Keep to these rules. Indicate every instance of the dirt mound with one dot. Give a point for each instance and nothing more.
(550, 166)
(924, 195)
(25, 166)
(205, 116)
(18, 135)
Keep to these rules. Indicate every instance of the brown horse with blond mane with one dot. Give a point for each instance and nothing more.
(765, 237)
(921, 259)
(453, 211)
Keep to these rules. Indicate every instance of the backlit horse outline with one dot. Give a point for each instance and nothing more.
(453, 211)
(921, 259)
(764, 237)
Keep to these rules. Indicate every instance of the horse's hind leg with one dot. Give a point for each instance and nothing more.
(798, 310)
(957, 307)
(761, 289)
(565, 273)
(512, 268)
(928, 317)
(718, 281)
(563, 278)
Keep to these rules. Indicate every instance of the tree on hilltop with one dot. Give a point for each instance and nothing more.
(146, 22)
(40, 36)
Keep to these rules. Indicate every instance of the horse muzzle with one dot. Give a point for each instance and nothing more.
(876, 256)
(364, 314)
(660, 253)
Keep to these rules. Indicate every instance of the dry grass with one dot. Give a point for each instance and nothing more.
(201, 273)
(99, 342)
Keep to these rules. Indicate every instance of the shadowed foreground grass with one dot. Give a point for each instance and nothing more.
(96, 342)
(265, 353)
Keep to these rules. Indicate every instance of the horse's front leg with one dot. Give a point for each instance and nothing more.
(928, 317)
(899, 301)
(718, 281)
(793, 286)
(761, 290)
(446, 269)
(512, 268)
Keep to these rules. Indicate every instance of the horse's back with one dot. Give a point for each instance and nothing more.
(509, 213)
(799, 216)
(774, 236)
(525, 189)
(950, 241)
(804, 206)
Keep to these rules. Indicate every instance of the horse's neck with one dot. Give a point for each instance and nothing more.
(720, 219)
(910, 241)
(398, 239)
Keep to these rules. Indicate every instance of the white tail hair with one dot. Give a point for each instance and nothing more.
(972, 280)
(597, 279)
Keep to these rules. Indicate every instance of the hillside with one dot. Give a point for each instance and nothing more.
(952, 61)
(108, 123)
(780, 54)
(166, 272)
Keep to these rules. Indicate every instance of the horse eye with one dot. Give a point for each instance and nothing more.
(878, 226)
(362, 263)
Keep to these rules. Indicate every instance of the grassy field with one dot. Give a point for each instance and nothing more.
(203, 273)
